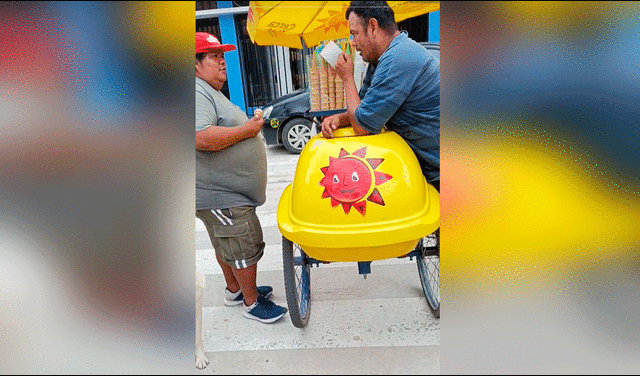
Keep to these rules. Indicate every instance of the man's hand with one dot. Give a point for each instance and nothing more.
(330, 124)
(254, 126)
(344, 67)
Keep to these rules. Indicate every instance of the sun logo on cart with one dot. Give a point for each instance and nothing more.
(350, 180)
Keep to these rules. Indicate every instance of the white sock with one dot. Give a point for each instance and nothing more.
(249, 308)
(230, 295)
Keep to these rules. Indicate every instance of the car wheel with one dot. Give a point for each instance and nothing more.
(296, 134)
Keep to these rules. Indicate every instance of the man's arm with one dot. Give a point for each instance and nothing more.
(344, 69)
(333, 122)
(217, 138)
(353, 101)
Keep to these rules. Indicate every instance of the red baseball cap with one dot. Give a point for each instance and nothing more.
(206, 42)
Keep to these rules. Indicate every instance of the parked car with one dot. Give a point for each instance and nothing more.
(287, 120)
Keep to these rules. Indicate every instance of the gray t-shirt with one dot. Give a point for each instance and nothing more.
(237, 175)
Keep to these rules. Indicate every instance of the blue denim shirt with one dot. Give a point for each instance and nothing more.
(403, 93)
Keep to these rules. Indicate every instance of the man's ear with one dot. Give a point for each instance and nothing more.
(372, 25)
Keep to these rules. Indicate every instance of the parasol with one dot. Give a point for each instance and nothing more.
(290, 23)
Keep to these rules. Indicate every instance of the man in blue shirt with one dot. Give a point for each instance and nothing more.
(401, 89)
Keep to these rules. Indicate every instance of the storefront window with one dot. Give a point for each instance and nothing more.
(268, 72)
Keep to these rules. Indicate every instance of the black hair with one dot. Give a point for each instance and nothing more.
(200, 56)
(379, 10)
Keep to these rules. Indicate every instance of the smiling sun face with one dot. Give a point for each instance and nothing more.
(350, 177)
(335, 19)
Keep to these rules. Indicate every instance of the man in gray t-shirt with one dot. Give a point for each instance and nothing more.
(231, 179)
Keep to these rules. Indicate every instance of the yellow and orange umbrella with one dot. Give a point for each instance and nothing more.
(287, 23)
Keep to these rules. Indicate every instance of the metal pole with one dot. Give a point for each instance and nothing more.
(210, 13)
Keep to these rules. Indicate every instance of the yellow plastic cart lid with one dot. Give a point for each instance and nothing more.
(358, 198)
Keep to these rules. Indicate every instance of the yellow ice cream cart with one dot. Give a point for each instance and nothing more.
(357, 199)
(353, 198)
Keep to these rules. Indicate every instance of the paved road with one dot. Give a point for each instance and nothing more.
(380, 325)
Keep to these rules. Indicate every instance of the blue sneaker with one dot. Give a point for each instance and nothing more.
(264, 310)
(234, 299)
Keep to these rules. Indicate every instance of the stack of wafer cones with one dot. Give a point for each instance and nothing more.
(326, 87)
(331, 83)
(339, 92)
(314, 81)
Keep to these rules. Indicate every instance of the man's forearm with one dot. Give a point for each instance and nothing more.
(344, 120)
(353, 102)
(217, 138)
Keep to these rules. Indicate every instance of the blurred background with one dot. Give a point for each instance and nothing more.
(540, 193)
(97, 199)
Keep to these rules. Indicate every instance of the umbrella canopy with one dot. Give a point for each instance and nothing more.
(286, 23)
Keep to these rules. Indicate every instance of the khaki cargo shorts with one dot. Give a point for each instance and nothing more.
(236, 235)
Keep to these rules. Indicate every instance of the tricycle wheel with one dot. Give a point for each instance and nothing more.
(297, 282)
(429, 270)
